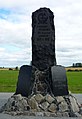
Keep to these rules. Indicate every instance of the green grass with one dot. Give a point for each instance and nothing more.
(8, 81)
(75, 81)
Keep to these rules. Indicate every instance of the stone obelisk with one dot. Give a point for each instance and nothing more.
(43, 39)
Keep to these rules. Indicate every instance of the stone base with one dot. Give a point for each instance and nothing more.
(39, 105)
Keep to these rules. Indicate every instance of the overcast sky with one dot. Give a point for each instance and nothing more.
(16, 31)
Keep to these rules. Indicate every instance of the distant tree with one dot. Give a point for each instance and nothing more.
(73, 64)
(10, 69)
(69, 70)
(77, 64)
(16, 68)
(76, 70)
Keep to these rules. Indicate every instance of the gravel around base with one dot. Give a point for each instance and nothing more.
(5, 96)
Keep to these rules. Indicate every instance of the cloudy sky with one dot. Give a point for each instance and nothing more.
(15, 30)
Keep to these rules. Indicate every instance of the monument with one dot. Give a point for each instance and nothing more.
(43, 39)
(42, 88)
(43, 58)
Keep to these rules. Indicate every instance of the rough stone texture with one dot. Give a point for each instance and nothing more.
(44, 105)
(43, 39)
(39, 114)
(59, 114)
(63, 106)
(78, 115)
(41, 83)
(47, 114)
(52, 108)
(49, 98)
(33, 103)
(39, 98)
(59, 99)
(17, 97)
(18, 105)
(74, 104)
(65, 114)
(53, 114)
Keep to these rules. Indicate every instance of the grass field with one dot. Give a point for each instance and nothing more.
(75, 81)
(8, 81)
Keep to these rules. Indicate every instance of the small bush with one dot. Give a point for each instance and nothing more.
(16, 68)
(69, 70)
(10, 69)
(80, 70)
(76, 70)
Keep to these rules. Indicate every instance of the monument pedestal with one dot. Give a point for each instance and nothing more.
(43, 105)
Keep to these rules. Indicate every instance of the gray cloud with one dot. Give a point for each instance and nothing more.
(15, 30)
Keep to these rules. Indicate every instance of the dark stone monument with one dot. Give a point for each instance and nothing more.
(44, 75)
(24, 81)
(59, 81)
(43, 39)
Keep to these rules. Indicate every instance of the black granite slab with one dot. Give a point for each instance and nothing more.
(59, 81)
(24, 81)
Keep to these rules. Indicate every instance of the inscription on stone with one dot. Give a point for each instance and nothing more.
(59, 81)
(43, 34)
(43, 39)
